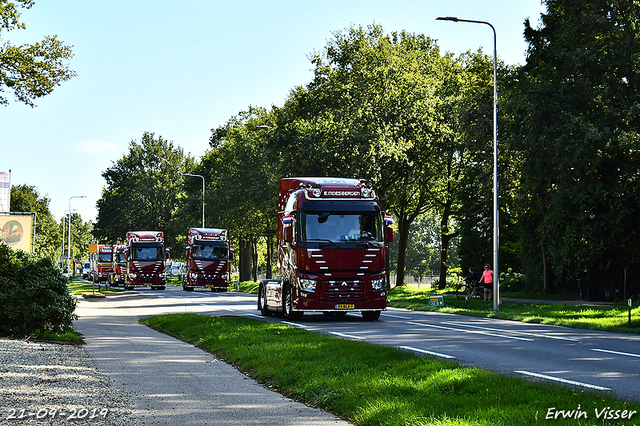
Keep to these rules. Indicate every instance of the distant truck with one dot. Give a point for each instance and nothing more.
(119, 265)
(146, 260)
(332, 250)
(101, 262)
(208, 257)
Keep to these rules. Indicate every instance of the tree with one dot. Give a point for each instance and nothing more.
(575, 128)
(243, 186)
(48, 235)
(30, 71)
(369, 113)
(143, 190)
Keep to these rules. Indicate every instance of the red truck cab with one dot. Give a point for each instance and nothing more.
(332, 250)
(146, 260)
(208, 257)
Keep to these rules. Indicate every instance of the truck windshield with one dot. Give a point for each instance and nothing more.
(340, 226)
(147, 252)
(119, 258)
(104, 257)
(209, 251)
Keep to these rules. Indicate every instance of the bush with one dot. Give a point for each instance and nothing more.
(512, 281)
(33, 295)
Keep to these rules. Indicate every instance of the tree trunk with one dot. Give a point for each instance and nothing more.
(269, 256)
(403, 240)
(445, 238)
(254, 252)
(545, 279)
(246, 255)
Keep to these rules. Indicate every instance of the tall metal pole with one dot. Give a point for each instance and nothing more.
(69, 236)
(202, 177)
(496, 235)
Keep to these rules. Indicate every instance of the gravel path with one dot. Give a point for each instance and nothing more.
(55, 384)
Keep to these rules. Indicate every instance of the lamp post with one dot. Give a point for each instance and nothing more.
(496, 235)
(69, 236)
(202, 177)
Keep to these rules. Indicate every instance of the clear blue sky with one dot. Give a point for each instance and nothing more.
(180, 69)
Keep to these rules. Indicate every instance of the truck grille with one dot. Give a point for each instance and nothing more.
(344, 291)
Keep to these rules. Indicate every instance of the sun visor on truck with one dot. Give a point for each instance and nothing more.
(340, 206)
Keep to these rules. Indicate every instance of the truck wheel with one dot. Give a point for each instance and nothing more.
(287, 305)
(370, 315)
(262, 300)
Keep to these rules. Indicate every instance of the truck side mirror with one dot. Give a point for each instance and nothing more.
(389, 234)
(230, 254)
(166, 254)
(287, 234)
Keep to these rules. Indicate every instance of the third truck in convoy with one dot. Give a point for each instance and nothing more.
(332, 250)
(208, 256)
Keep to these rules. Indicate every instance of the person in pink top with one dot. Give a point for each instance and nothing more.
(487, 281)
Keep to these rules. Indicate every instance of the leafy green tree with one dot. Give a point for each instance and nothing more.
(26, 198)
(368, 113)
(30, 71)
(143, 190)
(243, 185)
(576, 130)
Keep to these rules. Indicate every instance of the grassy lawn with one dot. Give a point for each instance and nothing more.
(79, 287)
(376, 385)
(603, 318)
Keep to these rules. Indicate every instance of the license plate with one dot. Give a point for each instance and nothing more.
(210, 285)
(345, 306)
(148, 284)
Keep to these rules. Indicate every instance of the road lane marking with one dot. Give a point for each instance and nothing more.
(395, 316)
(470, 331)
(557, 379)
(513, 332)
(409, 348)
(616, 353)
(255, 315)
(348, 336)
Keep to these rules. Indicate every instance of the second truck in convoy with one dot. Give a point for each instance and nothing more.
(332, 250)
(146, 260)
(208, 256)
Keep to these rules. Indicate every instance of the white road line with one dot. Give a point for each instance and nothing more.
(294, 324)
(409, 348)
(616, 353)
(255, 315)
(348, 336)
(395, 316)
(569, 382)
(513, 332)
(470, 331)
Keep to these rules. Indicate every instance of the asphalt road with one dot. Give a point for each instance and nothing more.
(177, 380)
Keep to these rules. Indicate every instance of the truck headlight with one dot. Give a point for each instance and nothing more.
(133, 275)
(194, 275)
(162, 275)
(377, 284)
(307, 284)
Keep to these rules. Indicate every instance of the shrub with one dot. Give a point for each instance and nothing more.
(512, 281)
(33, 295)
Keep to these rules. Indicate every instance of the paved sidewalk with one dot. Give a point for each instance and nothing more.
(176, 383)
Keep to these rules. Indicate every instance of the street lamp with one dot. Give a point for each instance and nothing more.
(69, 236)
(496, 235)
(202, 177)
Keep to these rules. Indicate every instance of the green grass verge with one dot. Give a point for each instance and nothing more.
(69, 336)
(602, 318)
(376, 385)
(79, 287)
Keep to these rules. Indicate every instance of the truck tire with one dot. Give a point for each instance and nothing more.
(370, 315)
(262, 300)
(287, 305)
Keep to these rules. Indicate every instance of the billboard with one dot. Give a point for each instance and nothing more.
(5, 191)
(16, 230)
